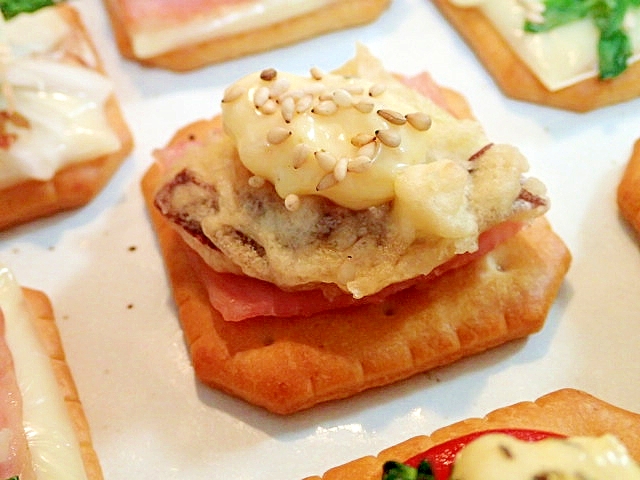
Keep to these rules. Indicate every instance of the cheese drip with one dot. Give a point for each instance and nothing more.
(560, 57)
(61, 105)
(503, 457)
(52, 441)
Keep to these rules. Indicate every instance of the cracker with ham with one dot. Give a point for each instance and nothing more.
(177, 36)
(517, 80)
(287, 346)
(568, 412)
(68, 451)
(33, 183)
(628, 193)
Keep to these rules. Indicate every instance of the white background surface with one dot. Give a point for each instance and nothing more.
(101, 267)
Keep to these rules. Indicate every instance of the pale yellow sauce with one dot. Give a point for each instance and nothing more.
(503, 457)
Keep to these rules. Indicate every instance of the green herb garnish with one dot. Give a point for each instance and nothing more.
(614, 46)
(11, 8)
(399, 471)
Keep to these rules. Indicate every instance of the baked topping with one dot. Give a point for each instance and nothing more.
(52, 99)
(566, 49)
(346, 179)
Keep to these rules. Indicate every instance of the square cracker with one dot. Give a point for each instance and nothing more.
(74, 185)
(334, 16)
(517, 81)
(44, 321)
(628, 194)
(568, 411)
(290, 364)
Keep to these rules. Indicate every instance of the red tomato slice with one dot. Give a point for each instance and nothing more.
(441, 456)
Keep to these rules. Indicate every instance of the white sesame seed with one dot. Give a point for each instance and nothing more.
(340, 170)
(364, 107)
(327, 181)
(326, 160)
(325, 95)
(419, 120)
(359, 164)
(256, 181)
(316, 73)
(392, 116)
(288, 108)
(327, 107)
(304, 103)
(342, 98)
(233, 93)
(362, 139)
(278, 135)
(260, 96)
(377, 89)
(292, 202)
(368, 150)
(388, 137)
(269, 107)
(278, 87)
(300, 154)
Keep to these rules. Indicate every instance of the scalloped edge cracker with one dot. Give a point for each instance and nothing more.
(628, 194)
(290, 364)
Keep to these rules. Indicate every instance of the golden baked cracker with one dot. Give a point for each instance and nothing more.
(568, 411)
(516, 80)
(290, 364)
(628, 194)
(76, 184)
(44, 321)
(335, 16)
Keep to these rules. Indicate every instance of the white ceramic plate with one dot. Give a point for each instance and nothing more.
(102, 269)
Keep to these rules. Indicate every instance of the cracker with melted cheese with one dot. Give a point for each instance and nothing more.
(58, 444)
(183, 36)
(62, 134)
(569, 412)
(558, 68)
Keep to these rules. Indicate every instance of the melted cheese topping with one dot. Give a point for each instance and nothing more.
(222, 20)
(50, 435)
(502, 457)
(62, 103)
(560, 57)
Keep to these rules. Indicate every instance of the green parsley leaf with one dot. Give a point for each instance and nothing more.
(11, 8)
(614, 46)
(399, 471)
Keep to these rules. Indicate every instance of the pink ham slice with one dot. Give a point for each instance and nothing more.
(238, 297)
(14, 453)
